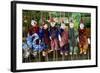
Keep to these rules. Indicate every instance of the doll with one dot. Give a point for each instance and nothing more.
(63, 39)
(83, 39)
(54, 38)
(44, 35)
(72, 39)
(33, 39)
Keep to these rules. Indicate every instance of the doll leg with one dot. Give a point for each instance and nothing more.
(85, 47)
(71, 50)
(75, 50)
(53, 48)
(62, 52)
(81, 48)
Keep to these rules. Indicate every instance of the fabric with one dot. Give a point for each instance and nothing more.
(83, 39)
(24, 46)
(54, 38)
(33, 30)
(72, 37)
(44, 35)
(29, 41)
(64, 38)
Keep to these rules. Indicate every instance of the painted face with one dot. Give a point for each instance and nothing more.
(45, 26)
(52, 24)
(63, 26)
(81, 26)
(33, 23)
(71, 25)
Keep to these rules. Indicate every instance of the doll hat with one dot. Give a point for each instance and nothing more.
(81, 21)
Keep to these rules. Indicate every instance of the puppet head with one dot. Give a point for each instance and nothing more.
(81, 24)
(33, 23)
(71, 24)
(63, 26)
(52, 22)
(45, 26)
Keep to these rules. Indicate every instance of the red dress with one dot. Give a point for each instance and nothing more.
(83, 39)
(33, 30)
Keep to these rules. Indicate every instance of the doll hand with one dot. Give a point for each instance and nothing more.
(59, 38)
(78, 39)
(50, 38)
(88, 40)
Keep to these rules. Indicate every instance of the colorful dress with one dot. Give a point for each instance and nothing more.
(83, 39)
(54, 38)
(72, 41)
(64, 40)
(44, 35)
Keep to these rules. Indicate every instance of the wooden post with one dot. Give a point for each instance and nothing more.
(54, 55)
(39, 56)
(63, 57)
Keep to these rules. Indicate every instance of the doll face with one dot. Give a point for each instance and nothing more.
(63, 26)
(71, 25)
(81, 26)
(45, 26)
(52, 24)
(33, 23)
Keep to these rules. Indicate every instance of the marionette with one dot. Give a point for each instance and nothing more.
(63, 39)
(54, 38)
(34, 41)
(84, 40)
(34, 29)
(44, 35)
(73, 49)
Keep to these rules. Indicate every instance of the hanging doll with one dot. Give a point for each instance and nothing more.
(33, 39)
(54, 38)
(63, 38)
(44, 35)
(84, 41)
(34, 29)
(72, 39)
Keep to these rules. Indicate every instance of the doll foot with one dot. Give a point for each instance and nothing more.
(85, 53)
(43, 53)
(75, 53)
(70, 53)
(81, 52)
(34, 53)
(66, 54)
(61, 53)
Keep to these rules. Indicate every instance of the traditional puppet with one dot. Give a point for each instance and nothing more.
(54, 38)
(63, 39)
(34, 29)
(34, 41)
(44, 36)
(84, 40)
(72, 39)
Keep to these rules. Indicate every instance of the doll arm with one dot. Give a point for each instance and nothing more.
(59, 37)
(89, 41)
